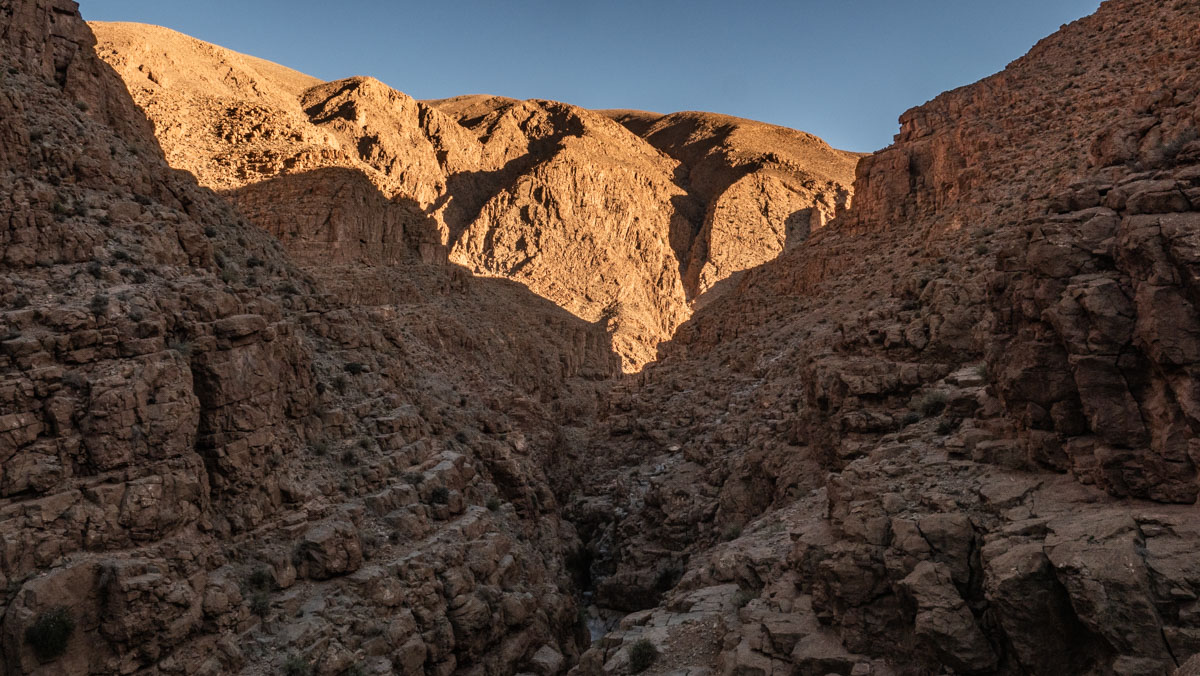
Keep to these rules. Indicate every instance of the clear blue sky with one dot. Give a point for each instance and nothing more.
(841, 69)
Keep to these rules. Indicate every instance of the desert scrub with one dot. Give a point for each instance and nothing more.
(439, 495)
(932, 404)
(295, 665)
(642, 654)
(50, 633)
(99, 304)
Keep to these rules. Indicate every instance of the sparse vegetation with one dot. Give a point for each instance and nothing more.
(340, 383)
(260, 603)
(354, 368)
(731, 532)
(296, 665)
(261, 579)
(642, 654)
(439, 495)
(1170, 150)
(75, 379)
(493, 504)
(910, 418)
(98, 304)
(932, 404)
(50, 633)
(982, 371)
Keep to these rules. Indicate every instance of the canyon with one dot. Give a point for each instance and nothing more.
(313, 377)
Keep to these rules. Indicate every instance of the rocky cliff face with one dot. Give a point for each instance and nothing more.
(911, 443)
(561, 199)
(762, 188)
(212, 462)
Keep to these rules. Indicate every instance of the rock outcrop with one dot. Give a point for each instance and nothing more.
(762, 188)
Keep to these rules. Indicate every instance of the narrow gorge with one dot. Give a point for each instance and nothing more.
(315, 378)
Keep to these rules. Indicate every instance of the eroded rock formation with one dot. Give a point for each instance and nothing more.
(212, 462)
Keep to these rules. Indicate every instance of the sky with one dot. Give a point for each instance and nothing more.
(841, 69)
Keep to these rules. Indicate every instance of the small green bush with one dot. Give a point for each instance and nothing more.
(354, 368)
(340, 383)
(439, 495)
(493, 504)
(99, 304)
(261, 579)
(731, 532)
(932, 404)
(910, 418)
(295, 665)
(260, 603)
(50, 633)
(642, 654)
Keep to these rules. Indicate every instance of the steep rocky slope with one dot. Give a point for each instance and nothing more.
(559, 198)
(211, 462)
(953, 429)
